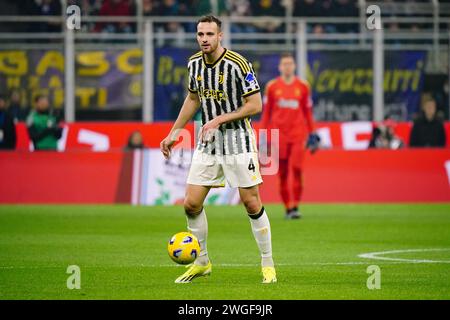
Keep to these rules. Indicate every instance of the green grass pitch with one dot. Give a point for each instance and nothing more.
(121, 252)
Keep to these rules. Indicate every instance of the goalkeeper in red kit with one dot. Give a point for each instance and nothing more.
(288, 108)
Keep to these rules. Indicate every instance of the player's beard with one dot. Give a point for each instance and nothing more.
(210, 49)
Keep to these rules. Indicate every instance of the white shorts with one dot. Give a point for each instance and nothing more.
(239, 170)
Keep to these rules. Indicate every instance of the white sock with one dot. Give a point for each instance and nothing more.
(262, 234)
(198, 226)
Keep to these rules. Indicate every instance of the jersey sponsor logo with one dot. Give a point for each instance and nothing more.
(288, 103)
(213, 94)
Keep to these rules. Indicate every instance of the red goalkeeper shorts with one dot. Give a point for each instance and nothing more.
(293, 152)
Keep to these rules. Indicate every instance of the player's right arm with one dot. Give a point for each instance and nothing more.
(189, 108)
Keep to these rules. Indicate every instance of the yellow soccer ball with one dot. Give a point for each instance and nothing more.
(183, 248)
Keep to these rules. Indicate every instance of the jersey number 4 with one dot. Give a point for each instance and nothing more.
(251, 166)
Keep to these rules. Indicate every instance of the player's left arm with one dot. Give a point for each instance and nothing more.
(307, 106)
(252, 106)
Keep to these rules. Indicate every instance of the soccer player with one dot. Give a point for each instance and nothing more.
(288, 108)
(223, 83)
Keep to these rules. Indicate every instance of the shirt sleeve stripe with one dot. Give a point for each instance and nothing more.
(198, 54)
(241, 66)
(243, 61)
(247, 94)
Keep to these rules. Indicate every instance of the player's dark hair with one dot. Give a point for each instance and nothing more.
(39, 97)
(427, 97)
(287, 55)
(210, 18)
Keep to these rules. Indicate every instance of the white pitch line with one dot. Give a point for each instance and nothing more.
(230, 265)
(376, 255)
(238, 265)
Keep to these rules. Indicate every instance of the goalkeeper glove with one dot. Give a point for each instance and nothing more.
(313, 142)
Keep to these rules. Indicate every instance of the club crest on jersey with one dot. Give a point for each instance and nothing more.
(221, 78)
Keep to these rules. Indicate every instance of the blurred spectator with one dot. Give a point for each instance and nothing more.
(44, 8)
(417, 29)
(376, 140)
(40, 7)
(95, 6)
(186, 7)
(16, 109)
(84, 5)
(307, 8)
(193, 8)
(345, 8)
(202, 7)
(171, 8)
(240, 8)
(326, 7)
(383, 136)
(318, 29)
(43, 127)
(150, 8)
(392, 29)
(428, 130)
(135, 141)
(114, 8)
(268, 8)
(11, 8)
(7, 127)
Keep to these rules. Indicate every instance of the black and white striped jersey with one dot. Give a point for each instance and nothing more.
(222, 87)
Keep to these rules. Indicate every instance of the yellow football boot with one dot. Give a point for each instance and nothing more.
(269, 275)
(193, 272)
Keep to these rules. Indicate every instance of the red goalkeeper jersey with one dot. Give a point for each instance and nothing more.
(288, 107)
